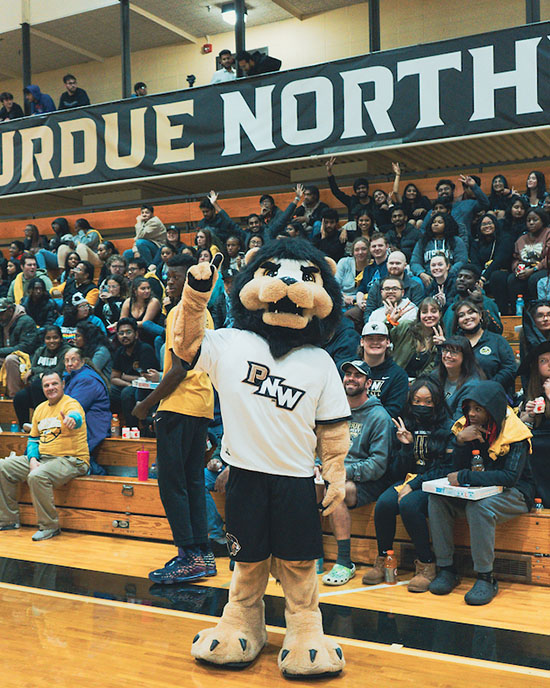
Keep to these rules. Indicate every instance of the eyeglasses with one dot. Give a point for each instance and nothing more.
(391, 289)
(450, 353)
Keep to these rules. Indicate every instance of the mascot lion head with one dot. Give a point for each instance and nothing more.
(288, 295)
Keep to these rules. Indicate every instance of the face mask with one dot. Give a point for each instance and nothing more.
(422, 414)
(473, 330)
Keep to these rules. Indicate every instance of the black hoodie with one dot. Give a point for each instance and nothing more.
(511, 468)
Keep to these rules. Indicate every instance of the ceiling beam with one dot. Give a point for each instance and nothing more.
(66, 44)
(289, 7)
(162, 22)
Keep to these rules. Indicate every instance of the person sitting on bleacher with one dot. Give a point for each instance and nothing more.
(114, 265)
(137, 267)
(131, 360)
(504, 444)
(329, 240)
(112, 295)
(535, 330)
(150, 236)
(39, 304)
(371, 434)
(48, 358)
(467, 285)
(76, 312)
(423, 434)
(85, 242)
(81, 281)
(56, 453)
(216, 219)
(29, 270)
(86, 384)
(18, 335)
(93, 343)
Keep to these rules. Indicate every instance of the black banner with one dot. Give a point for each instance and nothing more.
(486, 83)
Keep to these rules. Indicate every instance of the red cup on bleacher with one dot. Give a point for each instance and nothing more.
(143, 464)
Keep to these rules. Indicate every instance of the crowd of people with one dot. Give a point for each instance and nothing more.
(40, 103)
(428, 375)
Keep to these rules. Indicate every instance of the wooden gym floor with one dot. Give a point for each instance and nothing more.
(78, 611)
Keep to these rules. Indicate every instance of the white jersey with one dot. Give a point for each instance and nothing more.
(270, 406)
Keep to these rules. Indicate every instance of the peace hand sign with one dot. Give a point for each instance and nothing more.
(403, 435)
(438, 335)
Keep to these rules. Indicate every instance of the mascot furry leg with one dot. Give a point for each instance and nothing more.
(240, 635)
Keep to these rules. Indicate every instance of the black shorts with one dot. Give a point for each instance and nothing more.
(271, 515)
(369, 491)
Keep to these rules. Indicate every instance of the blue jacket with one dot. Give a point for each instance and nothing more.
(42, 101)
(89, 389)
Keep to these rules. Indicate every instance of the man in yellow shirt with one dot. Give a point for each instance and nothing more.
(186, 406)
(57, 451)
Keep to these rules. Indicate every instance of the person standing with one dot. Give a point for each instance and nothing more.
(186, 407)
(73, 96)
(227, 72)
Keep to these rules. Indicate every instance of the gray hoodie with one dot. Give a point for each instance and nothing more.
(371, 433)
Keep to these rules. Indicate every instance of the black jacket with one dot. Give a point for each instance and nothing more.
(352, 203)
(263, 64)
(495, 254)
(79, 98)
(15, 112)
(330, 245)
(427, 456)
(390, 384)
(407, 241)
(344, 343)
(509, 470)
(23, 336)
(496, 359)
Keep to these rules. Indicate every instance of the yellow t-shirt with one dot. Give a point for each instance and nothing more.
(56, 438)
(194, 395)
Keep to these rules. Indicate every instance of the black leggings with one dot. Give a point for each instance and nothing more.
(414, 513)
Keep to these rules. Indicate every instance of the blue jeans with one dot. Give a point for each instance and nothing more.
(46, 259)
(214, 520)
(147, 250)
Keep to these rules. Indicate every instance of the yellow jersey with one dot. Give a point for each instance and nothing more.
(55, 437)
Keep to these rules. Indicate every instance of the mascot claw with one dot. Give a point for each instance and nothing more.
(319, 658)
(226, 646)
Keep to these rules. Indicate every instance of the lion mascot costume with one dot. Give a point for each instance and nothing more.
(282, 404)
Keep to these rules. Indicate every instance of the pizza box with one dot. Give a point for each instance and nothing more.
(442, 486)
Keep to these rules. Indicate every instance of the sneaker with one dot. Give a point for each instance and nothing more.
(339, 575)
(444, 583)
(46, 534)
(179, 570)
(26, 427)
(375, 575)
(10, 526)
(482, 592)
(425, 574)
(207, 559)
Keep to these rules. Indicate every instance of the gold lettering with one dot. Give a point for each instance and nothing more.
(256, 373)
(136, 143)
(7, 157)
(43, 157)
(166, 133)
(69, 167)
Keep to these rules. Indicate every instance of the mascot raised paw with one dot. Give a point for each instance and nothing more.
(282, 404)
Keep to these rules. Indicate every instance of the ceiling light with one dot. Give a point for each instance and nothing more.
(229, 15)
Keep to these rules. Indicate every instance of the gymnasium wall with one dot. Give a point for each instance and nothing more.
(332, 35)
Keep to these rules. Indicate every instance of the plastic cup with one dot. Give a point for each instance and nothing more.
(143, 465)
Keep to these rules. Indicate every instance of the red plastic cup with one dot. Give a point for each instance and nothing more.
(143, 465)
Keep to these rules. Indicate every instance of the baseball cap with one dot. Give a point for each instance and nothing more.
(78, 299)
(361, 366)
(375, 328)
(6, 303)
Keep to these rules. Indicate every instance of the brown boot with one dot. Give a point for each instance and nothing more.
(376, 574)
(425, 574)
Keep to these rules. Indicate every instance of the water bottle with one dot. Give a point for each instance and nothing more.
(153, 474)
(115, 426)
(519, 305)
(390, 568)
(477, 461)
(14, 427)
(538, 504)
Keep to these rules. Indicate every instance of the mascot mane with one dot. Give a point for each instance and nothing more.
(251, 286)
